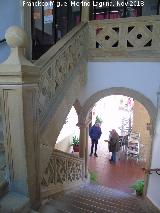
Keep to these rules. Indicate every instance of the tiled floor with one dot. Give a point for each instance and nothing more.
(118, 176)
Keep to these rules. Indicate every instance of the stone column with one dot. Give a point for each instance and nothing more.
(18, 96)
(82, 140)
(86, 154)
(85, 11)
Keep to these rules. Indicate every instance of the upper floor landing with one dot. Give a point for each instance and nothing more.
(114, 27)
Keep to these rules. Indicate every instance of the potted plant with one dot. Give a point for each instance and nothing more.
(75, 144)
(138, 186)
(98, 119)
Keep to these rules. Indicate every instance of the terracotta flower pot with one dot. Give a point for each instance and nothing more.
(139, 193)
(76, 148)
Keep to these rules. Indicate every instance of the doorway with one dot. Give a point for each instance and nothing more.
(128, 169)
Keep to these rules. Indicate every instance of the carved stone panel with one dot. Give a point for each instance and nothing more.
(62, 168)
(58, 69)
(131, 33)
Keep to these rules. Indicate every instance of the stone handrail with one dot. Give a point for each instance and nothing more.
(63, 171)
(125, 35)
(57, 65)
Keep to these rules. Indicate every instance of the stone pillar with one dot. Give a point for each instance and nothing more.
(82, 141)
(83, 153)
(86, 154)
(18, 96)
(85, 11)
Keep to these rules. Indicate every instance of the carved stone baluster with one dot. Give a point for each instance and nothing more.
(123, 32)
(155, 27)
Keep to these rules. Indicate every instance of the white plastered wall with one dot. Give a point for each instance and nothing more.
(143, 77)
(153, 191)
(10, 14)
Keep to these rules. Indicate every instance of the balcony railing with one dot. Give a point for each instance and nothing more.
(124, 37)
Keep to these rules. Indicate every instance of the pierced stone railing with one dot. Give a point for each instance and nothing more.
(63, 171)
(57, 65)
(125, 35)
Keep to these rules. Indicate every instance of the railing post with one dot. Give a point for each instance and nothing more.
(85, 11)
(18, 96)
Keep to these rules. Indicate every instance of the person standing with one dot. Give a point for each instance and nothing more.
(95, 134)
(113, 144)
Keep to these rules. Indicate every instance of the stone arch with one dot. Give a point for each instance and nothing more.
(77, 106)
(150, 107)
(146, 102)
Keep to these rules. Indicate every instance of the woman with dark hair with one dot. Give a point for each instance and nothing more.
(113, 144)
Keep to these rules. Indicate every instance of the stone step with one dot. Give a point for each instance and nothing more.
(95, 198)
(92, 205)
(109, 204)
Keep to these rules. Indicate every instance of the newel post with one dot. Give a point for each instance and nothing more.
(18, 96)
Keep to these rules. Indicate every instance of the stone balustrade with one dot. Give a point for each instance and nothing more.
(124, 37)
(63, 171)
(57, 65)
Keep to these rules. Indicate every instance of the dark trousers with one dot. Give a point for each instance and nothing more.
(113, 157)
(94, 143)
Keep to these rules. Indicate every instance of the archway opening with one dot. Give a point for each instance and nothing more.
(129, 168)
(68, 131)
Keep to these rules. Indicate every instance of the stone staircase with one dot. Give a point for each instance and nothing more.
(95, 198)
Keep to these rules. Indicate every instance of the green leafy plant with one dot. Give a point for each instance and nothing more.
(75, 144)
(75, 141)
(98, 119)
(93, 176)
(138, 186)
